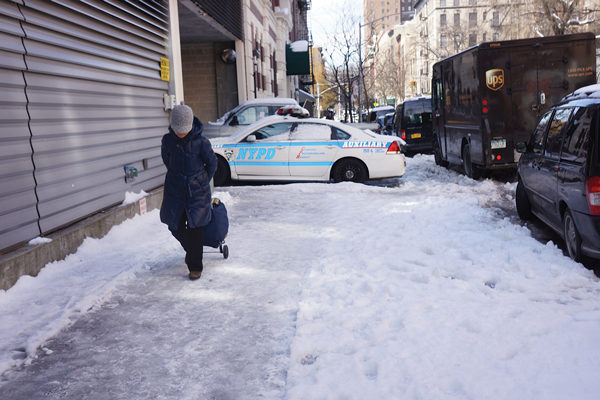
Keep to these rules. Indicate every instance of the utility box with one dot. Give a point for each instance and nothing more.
(488, 98)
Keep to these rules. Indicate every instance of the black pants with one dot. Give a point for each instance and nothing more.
(192, 240)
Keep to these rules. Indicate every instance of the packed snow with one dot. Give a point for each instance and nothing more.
(414, 288)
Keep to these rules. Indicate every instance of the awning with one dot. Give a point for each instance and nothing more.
(297, 58)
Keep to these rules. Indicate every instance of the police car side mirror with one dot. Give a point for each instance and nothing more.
(521, 147)
(234, 121)
(251, 138)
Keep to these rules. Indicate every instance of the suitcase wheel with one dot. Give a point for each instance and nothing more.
(225, 251)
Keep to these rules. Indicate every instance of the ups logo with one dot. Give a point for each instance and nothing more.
(494, 78)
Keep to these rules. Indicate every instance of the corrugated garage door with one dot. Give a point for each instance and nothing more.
(81, 99)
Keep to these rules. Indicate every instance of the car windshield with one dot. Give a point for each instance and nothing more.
(274, 132)
(222, 120)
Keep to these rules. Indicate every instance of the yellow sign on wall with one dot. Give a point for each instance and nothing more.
(164, 69)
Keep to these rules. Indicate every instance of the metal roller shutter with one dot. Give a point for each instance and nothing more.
(82, 99)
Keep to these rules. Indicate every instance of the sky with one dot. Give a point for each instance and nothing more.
(322, 15)
(420, 287)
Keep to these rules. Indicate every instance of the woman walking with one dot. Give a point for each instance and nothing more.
(191, 164)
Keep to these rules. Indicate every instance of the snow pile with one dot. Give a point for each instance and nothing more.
(38, 240)
(299, 46)
(131, 197)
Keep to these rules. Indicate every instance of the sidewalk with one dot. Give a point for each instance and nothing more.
(150, 332)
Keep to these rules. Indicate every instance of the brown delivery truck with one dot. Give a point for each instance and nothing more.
(489, 97)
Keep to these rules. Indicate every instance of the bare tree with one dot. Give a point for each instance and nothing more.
(559, 17)
(341, 54)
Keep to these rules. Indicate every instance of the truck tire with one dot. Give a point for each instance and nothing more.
(471, 170)
(437, 155)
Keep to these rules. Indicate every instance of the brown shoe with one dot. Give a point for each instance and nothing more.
(195, 275)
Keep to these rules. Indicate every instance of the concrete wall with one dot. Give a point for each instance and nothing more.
(29, 260)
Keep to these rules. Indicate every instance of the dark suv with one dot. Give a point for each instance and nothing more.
(559, 172)
(412, 122)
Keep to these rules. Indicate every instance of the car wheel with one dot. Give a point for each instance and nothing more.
(350, 171)
(572, 238)
(471, 170)
(437, 155)
(522, 202)
(223, 173)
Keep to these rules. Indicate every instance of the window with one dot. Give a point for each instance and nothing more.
(538, 134)
(312, 131)
(457, 19)
(371, 4)
(456, 3)
(472, 40)
(574, 148)
(554, 138)
(273, 133)
(442, 41)
(496, 37)
(472, 19)
(472, 2)
(484, 37)
(442, 3)
(413, 114)
(340, 135)
(496, 18)
(443, 20)
(484, 15)
(252, 114)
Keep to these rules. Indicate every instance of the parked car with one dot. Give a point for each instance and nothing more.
(245, 114)
(380, 111)
(385, 124)
(559, 172)
(412, 122)
(287, 148)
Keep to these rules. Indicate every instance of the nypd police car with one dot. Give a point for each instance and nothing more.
(287, 148)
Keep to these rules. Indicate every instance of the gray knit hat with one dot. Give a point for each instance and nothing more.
(182, 118)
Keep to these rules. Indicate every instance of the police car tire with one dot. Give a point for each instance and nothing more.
(350, 171)
(223, 174)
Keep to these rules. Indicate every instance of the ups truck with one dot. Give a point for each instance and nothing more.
(489, 97)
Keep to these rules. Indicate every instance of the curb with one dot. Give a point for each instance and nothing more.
(29, 260)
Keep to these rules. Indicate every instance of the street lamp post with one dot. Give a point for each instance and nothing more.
(360, 70)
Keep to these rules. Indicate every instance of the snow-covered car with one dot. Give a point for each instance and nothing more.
(286, 148)
(244, 115)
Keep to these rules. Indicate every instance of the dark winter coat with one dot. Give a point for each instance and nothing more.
(191, 164)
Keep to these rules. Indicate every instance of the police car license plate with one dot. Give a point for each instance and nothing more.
(415, 136)
(499, 144)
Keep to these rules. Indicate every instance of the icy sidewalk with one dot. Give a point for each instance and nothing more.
(156, 334)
